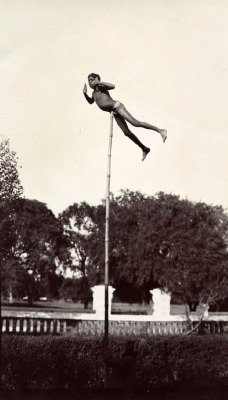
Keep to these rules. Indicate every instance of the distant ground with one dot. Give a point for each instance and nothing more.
(45, 306)
(60, 306)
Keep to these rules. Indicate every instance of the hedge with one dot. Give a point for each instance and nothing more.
(31, 362)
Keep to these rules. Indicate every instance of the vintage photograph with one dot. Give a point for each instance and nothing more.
(113, 199)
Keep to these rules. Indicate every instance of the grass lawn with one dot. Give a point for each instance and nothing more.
(46, 306)
(64, 306)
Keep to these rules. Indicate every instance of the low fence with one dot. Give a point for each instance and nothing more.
(38, 323)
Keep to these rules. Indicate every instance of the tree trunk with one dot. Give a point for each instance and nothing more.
(84, 285)
(30, 299)
(10, 294)
(85, 303)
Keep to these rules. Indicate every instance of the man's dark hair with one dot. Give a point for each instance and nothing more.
(94, 76)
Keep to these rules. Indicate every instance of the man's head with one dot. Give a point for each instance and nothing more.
(93, 79)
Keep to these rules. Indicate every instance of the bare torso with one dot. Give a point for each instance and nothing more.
(103, 99)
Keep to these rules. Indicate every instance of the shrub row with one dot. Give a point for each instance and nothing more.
(31, 362)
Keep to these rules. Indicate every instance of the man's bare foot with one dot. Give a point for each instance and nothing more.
(145, 152)
(163, 133)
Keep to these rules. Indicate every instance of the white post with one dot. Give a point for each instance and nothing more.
(161, 303)
(99, 297)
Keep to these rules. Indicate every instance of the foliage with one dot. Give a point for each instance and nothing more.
(196, 255)
(10, 186)
(74, 289)
(160, 241)
(38, 246)
(166, 242)
(37, 362)
(10, 190)
(78, 222)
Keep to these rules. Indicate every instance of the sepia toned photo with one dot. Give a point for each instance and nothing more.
(113, 199)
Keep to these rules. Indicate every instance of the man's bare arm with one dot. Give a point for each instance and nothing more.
(105, 85)
(89, 99)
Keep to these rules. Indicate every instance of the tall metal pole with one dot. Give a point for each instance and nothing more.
(106, 322)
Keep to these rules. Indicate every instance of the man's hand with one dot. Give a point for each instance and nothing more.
(85, 89)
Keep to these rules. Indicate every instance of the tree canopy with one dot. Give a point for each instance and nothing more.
(163, 241)
(40, 243)
(10, 190)
(10, 186)
(78, 225)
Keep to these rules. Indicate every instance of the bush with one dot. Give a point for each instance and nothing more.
(31, 362)
(49, 362)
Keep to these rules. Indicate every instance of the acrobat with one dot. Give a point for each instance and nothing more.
(105, 102)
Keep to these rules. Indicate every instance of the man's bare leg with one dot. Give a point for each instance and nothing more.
(145, 152)
(122, 111)
(123, 126)
(163, 133)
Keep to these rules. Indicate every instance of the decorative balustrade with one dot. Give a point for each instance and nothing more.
(33, 326)
(41, 323)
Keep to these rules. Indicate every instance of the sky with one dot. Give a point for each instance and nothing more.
(168, 60)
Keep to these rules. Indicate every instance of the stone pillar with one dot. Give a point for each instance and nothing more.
(161, 303)
(205, 308)
(99, 299)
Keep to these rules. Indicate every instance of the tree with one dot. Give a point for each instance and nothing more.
(78, 225)
(166, 242)
(73, 289)
(131, 256)
(195, 264)
(39, 247)
(10, 190)
(160, 241)
(10, 186)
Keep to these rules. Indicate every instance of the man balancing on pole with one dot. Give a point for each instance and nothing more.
(104, 101)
